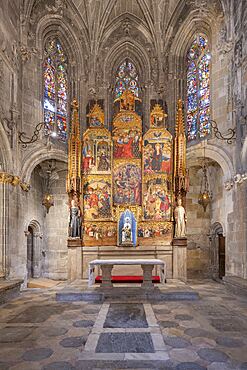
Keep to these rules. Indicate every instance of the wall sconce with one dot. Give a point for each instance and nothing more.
(25, 141)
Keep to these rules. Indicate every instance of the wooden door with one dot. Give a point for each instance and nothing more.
(222, 256)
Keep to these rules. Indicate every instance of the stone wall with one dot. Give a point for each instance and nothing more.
(198, 256)
(57, 230)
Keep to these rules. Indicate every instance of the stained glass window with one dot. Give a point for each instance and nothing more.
(55, 89)
(126, 78)
(198, 88)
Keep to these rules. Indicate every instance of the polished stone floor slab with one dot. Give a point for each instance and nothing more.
(125, 343)
(39, 333)
(130, 315)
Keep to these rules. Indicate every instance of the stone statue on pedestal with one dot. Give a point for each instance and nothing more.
(74, 220)
(180, 219)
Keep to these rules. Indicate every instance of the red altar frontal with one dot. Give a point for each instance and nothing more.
(125, 183)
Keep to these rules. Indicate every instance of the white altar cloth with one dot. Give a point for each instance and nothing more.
(92, 264)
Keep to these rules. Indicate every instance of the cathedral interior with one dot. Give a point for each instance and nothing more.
(123, 136)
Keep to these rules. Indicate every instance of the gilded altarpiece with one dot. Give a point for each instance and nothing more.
(157, 186)
(129, 187)
(97, 181)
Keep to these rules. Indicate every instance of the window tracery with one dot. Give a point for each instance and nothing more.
(198, 88)
(126, 79)
(55, 89)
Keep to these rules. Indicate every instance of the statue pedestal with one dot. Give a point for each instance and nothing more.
(180, 258)
(74, 259)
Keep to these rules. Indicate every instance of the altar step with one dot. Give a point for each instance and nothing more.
(127, 279)
(126, 293)
(92, 364)
(9, 289)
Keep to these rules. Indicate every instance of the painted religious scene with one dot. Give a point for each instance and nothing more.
(127, 143)
(127, 184)
(157, 199)
(97, 198)
(154, 232)
(157, 152)
(100, 233)
(96, 152)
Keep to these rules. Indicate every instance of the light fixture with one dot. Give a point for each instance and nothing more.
(205, 195)
(48, 201)
(229, 137)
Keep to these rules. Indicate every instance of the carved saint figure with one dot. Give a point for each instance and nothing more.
(74, 220)
(127, 231)
(180, 219)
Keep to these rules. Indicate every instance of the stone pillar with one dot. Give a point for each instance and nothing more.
(37, 236)
(106, 276)
(74, 259)
(180, 258)
(147, 276)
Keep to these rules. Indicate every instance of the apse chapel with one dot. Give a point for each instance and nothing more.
(123, 184)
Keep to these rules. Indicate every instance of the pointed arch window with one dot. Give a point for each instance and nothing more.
(198, 88)
(55, 89)
(126, 78)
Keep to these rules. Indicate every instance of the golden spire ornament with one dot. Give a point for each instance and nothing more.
(180, 172)
(74, 155)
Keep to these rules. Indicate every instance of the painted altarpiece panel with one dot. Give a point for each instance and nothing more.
(100, 233)
(157, 198)
(127, 141)
(157, 152)
(96, 151)
(157, 191)
(127, 138)
(127, 183)
(97, 199)
(154, 232)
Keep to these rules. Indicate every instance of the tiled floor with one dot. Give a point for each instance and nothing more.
(36, 332)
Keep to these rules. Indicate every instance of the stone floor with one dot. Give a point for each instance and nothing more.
(37, 332)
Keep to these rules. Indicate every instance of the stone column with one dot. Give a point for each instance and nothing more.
(37, 236)
(147, 276)
(179, 258)
(106, 276)
(74, 259)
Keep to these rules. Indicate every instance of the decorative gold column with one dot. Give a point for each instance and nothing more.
(181, 183)
(180, 172)
(74, 190)
(73, 185)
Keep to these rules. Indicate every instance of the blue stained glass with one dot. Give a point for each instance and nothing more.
(55, 88)
(198, 88)
(126, 78)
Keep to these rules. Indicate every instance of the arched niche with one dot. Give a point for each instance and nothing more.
(38, 156)
(34, 251)
(201, 254)
(217, 250)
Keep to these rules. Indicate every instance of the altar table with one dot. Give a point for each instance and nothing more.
(147, 266)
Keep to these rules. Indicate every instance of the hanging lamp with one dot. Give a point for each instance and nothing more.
(205, 195)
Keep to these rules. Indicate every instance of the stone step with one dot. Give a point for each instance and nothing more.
(42, 283)
(112, 294)
(9, 289)
(236, 285)
(124, 364)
